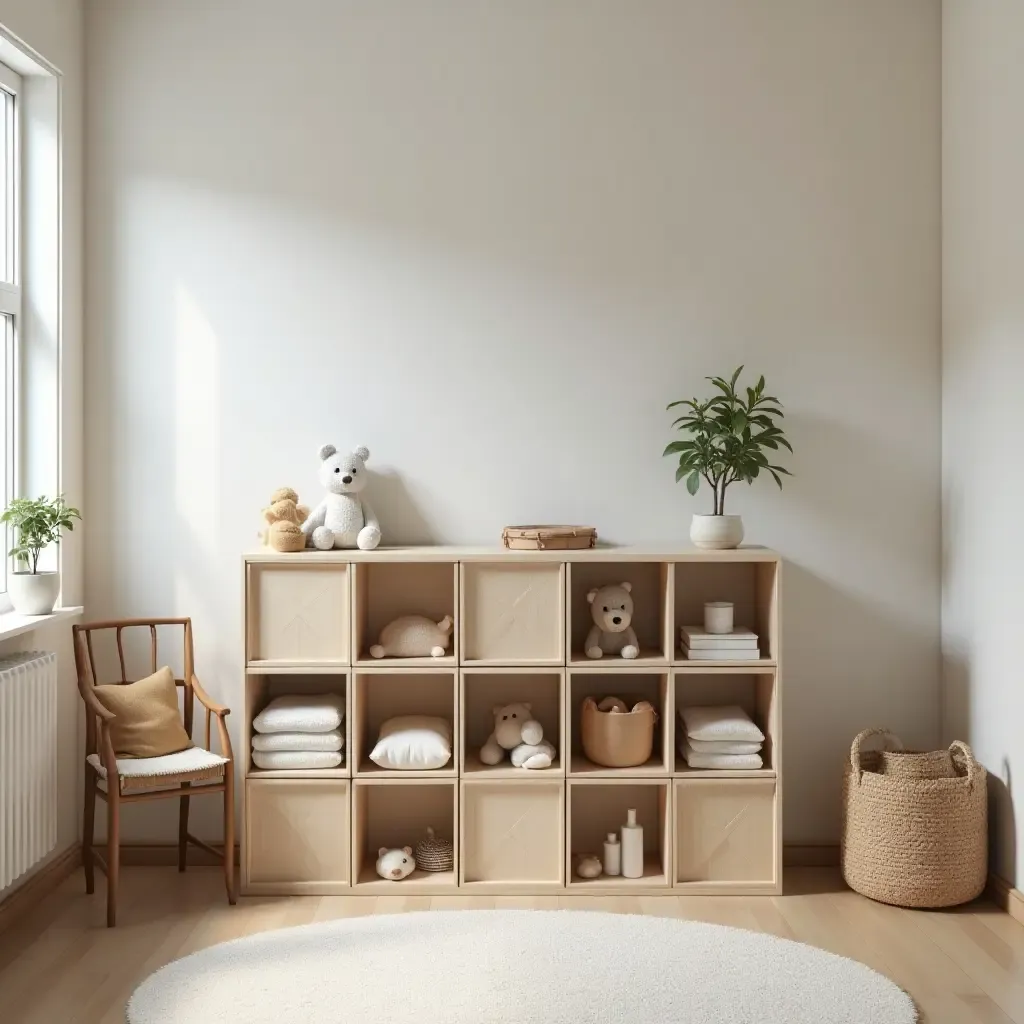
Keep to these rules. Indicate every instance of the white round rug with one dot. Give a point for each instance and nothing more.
(516, 967)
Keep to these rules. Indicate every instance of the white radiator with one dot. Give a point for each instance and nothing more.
(28, 761)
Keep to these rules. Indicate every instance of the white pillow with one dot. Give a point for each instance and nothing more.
(413, 743)
(317, 712)
(306, 741)
(724, 747)
(727, 722)
(718, 761)
(288, 759)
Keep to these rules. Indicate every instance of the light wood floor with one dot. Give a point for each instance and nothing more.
(60, 964)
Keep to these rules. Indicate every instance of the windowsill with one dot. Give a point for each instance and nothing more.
(12, 624)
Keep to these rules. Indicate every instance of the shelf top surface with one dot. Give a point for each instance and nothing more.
(450, 553)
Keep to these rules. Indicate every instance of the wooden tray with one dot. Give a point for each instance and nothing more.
(548, 538)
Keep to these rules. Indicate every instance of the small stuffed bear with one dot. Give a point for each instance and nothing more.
(612, 610)
(517, 731)
(343, 519)
(284, 518)
(394, 865)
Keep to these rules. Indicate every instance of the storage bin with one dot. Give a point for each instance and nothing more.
(910, 838)
(623, 740)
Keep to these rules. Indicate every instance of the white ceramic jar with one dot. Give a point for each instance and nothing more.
(716, 532)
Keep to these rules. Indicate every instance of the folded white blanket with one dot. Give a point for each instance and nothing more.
(718, 761)
(725, 722)
(723, 747)
(304, 741)
(290, 759)
(318, 712)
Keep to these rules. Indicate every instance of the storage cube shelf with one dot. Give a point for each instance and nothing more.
(520, 622)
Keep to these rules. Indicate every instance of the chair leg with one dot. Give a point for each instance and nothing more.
(113, 853)
(88, 829)
(229, 832)
(183, 803)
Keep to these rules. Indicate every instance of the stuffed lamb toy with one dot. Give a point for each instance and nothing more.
(343, 519)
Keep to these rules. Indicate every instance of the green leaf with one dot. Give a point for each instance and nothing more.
(693, 482)
(736, 377)
(681, 472)
(760, 384)
(677, 446)
(778, 479)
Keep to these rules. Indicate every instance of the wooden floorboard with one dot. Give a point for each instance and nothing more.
(59, 964)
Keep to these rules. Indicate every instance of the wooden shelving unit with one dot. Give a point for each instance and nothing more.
(520, 620)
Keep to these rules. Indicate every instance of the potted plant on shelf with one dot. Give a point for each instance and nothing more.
(728, 437)
(38, 523)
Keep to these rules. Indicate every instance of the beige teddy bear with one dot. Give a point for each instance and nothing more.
(284, 517)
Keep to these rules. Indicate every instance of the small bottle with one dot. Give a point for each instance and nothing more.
(632, 847)
(612, 855)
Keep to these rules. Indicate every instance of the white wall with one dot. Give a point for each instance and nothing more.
(54, 29)
(491, 242)
(983, 370)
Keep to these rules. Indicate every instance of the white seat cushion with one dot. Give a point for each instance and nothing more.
(191, 765)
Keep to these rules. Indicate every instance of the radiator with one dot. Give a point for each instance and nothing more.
(28, 761)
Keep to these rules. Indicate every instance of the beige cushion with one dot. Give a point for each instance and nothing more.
(193, 765)
(148, 722)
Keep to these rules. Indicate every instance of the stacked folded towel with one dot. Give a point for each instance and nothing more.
(719, 737)
(298, 731)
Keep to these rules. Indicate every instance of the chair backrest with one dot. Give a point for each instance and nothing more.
(85, 664)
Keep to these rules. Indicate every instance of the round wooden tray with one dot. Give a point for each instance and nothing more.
(548, 538)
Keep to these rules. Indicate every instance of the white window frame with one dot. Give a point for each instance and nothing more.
(11, 306)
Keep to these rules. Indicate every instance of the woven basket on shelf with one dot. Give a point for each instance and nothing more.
(911, 836)
(548, 538)
(433, 854)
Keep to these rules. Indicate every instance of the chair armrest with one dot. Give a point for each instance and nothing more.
(92, 703)
(207, 701)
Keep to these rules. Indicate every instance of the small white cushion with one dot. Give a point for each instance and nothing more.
(289, 759)
(413, 743)
(193, 759)
(319, 712)
(305, 741)
(724, 722)
(724, 747)
(718, 761)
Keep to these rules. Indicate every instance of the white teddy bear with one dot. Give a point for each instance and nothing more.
(343, 519)
(517, 731)
(611, 608)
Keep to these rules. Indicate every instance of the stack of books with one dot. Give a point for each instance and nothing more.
(700, 645)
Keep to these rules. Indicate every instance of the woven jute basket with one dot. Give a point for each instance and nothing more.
(548, 538)
(911, 838)
(433, 854)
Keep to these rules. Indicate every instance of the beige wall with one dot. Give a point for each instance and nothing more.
(491, 242)
(53, 28)
(983, 371)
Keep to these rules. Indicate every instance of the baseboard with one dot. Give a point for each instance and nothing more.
(1006, 897)
(810, 855)
(160, 855)
(39, 886)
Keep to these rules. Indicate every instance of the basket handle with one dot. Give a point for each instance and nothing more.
(969, 759)
(860, 738)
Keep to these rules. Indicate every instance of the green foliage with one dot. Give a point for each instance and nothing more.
(727, 437)
(39, 522)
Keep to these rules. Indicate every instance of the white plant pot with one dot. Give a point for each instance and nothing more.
(716, 532)
(33, 593)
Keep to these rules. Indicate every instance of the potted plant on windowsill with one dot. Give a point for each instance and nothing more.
(728, 436)
(38, 523)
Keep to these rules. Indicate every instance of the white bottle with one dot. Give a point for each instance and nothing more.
(632, 847)
(612, 855)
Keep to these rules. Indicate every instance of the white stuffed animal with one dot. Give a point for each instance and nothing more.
(517, 731)
(394, 865)
(611, 608)
(413, 636)
(343, 519)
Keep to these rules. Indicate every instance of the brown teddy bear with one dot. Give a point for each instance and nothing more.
(284, 518)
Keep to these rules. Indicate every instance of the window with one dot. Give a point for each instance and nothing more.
(10, 291)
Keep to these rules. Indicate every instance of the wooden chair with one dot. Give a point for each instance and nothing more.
(193, 772)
